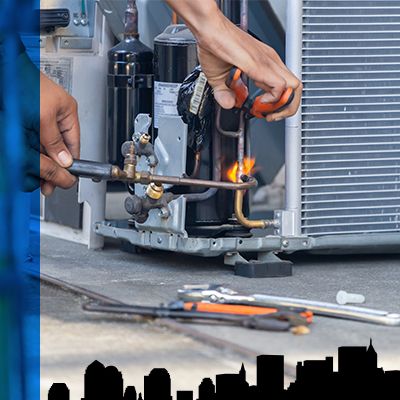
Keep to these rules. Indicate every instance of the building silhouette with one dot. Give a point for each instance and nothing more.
(157, 385)
(184, 395)
(232, 386)
(206, 389)
(130, 393)
(358, 376)
(270, 375)
(59, 391)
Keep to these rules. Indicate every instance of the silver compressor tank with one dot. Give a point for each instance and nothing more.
(175, 57)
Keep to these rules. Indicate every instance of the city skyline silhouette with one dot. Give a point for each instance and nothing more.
(358, 375)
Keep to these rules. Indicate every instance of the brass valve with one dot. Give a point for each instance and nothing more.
(144, 139)
(130, 162)
(155, 191)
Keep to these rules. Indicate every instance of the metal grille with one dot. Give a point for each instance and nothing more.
(351, 117)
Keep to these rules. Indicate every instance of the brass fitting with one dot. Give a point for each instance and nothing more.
(256, 224)
(130, 163)
(155, 191)
(144, 139)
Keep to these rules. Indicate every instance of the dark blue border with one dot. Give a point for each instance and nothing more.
(19, 232)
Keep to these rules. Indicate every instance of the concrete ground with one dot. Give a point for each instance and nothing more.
(71, 338)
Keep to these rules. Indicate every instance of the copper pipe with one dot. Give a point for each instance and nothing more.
(146, 178)
(256, 224)
(232, 134)
(108, 172)
(197, 162)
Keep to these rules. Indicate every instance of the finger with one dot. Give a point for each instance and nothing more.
(225, 97)
(70, 129)
(53, 142)
(290, 110)
(272, 93)
(47, 188)
(51, 172)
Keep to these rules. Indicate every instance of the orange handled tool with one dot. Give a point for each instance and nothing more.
(239, 309)
(252, 104)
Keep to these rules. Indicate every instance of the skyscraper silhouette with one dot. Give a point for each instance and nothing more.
(184, 395)
(313, 377)
(113, 385)
(372, 357)
(358, 377)
(59, 391)
(130, 393)
(232, 386)
(270, 374)
(157, 385)
(206, 390)
(94, 379)
(242, 373)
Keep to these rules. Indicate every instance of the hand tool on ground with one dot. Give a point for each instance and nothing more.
(296, 318)
(219, 294)
(252, 104)
(258, 322)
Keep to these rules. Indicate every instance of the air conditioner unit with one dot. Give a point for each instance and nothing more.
(343, 147)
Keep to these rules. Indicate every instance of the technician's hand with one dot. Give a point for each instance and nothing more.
(59, 136)
(260, 62)
(223, 45)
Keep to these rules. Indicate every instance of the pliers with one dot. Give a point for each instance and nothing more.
(251, 105)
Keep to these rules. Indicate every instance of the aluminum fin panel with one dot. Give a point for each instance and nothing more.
(351, 117)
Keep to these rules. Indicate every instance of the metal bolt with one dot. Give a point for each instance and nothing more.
(343, 298)
(159, 240)
(285, 243)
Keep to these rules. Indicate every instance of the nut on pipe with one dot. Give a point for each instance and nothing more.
(155, 191)
(144, 139)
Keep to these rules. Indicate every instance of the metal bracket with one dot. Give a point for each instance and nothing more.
(285, 223)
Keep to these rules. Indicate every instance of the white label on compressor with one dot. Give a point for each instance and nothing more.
(165, 99)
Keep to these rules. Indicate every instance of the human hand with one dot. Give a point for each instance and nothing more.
(59, 136)
(225, 45)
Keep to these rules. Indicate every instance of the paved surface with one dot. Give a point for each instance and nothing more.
(71, 340)
(152, 278)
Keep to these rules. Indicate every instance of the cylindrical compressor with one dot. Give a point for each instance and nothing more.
(175, 57)
(130, 83)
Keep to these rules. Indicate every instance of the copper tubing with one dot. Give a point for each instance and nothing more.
(232, 134)
(108, 172)
(256, 224)
(197, 162)
(146, 178)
